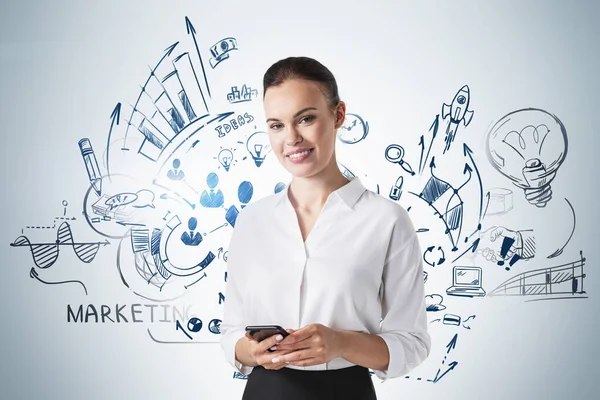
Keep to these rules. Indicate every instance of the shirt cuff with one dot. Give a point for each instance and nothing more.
(396, 354)
(228, 342)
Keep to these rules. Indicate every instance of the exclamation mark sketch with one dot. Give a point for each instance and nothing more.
(507, 242)
(91, 164)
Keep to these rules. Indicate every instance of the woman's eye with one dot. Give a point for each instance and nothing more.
(308, 118)
(275, 126)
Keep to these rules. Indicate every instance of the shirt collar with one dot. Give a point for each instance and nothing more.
(349, 193)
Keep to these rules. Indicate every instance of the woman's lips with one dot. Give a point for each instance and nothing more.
(297, 159)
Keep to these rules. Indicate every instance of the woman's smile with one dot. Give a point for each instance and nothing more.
(297, 158)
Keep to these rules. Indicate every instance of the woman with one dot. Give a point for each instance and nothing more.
(337, 265)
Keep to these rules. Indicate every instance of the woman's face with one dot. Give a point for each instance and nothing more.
(299, 120)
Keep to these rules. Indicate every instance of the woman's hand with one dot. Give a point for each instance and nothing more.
(312, 345)
(261, 355)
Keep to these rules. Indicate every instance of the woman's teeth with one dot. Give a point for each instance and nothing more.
(296, 155)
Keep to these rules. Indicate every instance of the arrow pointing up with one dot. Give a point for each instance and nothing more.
(452, 343)
(191, 30)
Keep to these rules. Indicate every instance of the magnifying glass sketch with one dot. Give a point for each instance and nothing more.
(395, 154)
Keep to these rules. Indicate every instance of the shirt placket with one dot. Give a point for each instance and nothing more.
(308, 249)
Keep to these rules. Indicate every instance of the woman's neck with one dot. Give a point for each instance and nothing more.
(312, 192)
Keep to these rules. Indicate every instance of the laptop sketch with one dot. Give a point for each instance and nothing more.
(466, 281)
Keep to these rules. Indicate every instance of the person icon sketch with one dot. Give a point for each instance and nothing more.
(176, 174)
(212, 198)
(191, 238)
(245, 191)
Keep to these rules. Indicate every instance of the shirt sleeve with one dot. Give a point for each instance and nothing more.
(233, 324)
(404, 316)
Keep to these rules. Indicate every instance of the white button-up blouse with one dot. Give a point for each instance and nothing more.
(359, 269)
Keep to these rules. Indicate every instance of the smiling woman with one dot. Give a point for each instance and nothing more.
(303, 109)
(334, 263)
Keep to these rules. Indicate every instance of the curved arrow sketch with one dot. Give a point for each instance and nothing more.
(559, 251)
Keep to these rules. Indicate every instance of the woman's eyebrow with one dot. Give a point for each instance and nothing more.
(295, 115)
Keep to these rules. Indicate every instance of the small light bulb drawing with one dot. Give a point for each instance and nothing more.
(528, 146)
(259, 146)
(225, 157)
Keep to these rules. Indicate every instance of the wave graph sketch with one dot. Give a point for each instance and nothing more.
(45, 254)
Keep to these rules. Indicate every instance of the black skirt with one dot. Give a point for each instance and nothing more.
(293, 384)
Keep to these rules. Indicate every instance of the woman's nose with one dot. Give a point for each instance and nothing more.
(292, 136)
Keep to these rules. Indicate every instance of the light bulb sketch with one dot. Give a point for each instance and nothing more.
(225, 158)
(259, 146)
(528, 146)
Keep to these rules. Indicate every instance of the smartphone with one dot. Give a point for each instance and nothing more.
(261, 332)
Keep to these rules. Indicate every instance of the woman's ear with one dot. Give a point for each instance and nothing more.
(340, 114)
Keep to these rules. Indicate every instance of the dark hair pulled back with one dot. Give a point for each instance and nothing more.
(303, 68)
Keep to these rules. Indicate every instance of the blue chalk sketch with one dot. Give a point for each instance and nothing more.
(259, 146)
(559, 251)
(91, 165)
(396, 190)
(45, 254)
(279, 187)
(458, 111)
(232, 123)
(191, 30)
(220, 50)
(499, 244)
(191, 238)
(171, 226)
(245, 192)
(433, 129)
(354, 130)
(176, 174)
(345, 171)
(501, 201)
(239, 375)
(140, 239)
(155, 340)
(469, 154)
(452, 214)
(194, 324)
(466, 282)
(171, 99)
(115, 118)
(449, 319)
(237, 96)
(528, 146)
(141, 199)
(231, 215)
(564, 281)
(214, 326)
(34, 275)
(445, 368)
(225, 158)
(450, 366)
(212, 198)
(433, 302)
(454, 320)
(434, 256)
(394, 153)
